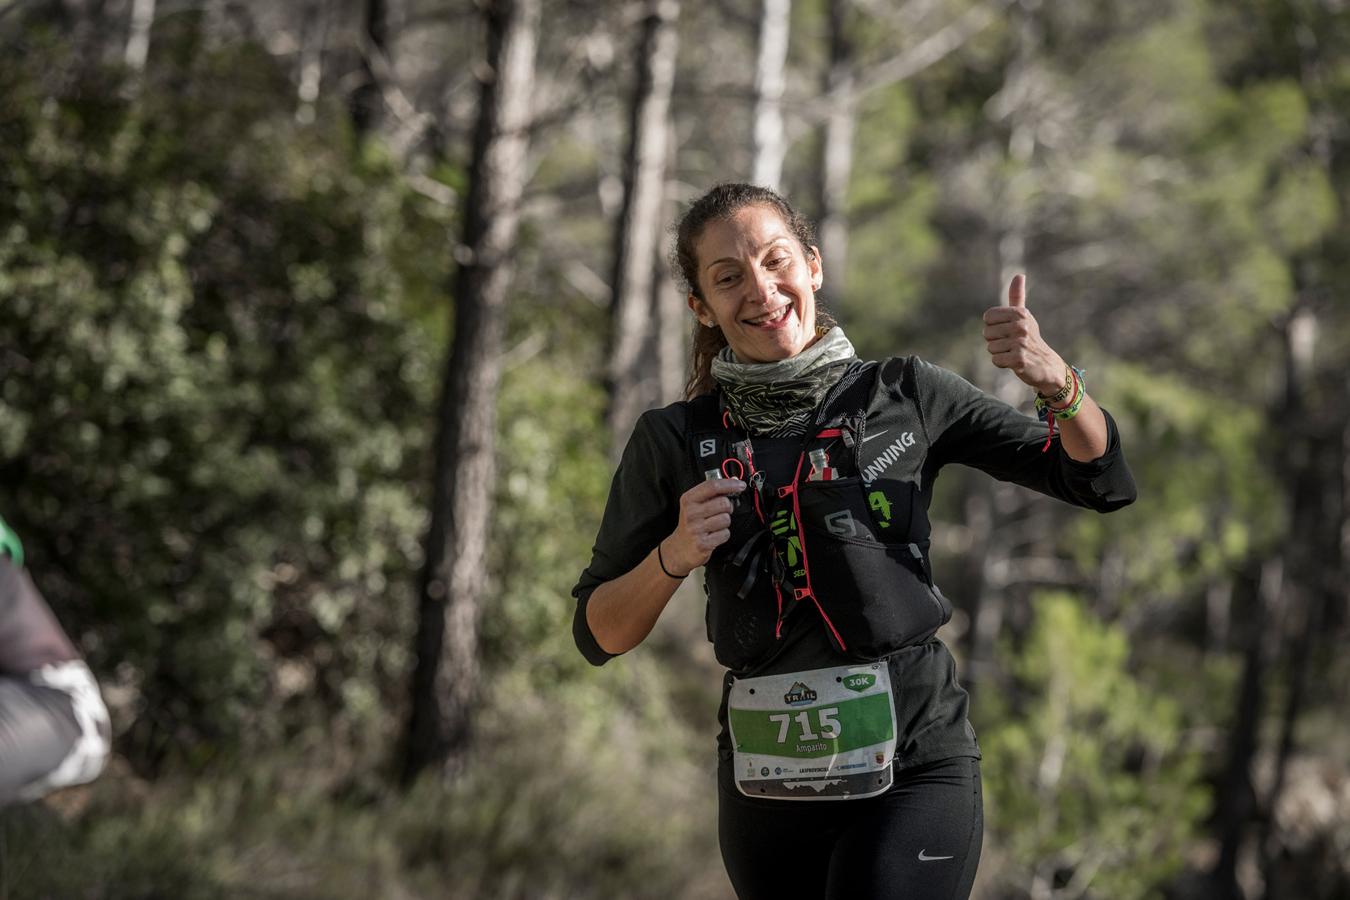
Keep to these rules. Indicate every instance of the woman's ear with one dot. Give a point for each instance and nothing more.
(817, 270)
(701, 312)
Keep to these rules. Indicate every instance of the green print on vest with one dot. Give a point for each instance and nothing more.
(783, 523)
(877, 500)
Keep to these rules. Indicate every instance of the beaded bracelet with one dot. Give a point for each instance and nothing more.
(1075, 392)
(1049, 414)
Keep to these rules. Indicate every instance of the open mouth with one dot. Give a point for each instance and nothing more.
(769, 319)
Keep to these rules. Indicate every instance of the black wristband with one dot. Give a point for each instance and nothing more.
(662, 563)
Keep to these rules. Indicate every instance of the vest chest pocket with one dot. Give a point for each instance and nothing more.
(866, 547)
(741, 611)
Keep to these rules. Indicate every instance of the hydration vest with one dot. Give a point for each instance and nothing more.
(847, 542)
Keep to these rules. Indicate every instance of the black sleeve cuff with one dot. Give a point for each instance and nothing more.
(581, 633)
(1105, 483)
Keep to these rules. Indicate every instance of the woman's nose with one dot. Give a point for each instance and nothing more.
(764, 286)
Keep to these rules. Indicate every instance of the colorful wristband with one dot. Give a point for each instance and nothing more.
(1077, 390)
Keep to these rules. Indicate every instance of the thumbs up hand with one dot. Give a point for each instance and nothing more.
(1013, 339)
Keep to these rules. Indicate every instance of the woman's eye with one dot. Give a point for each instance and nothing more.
(724, 280)
(776, 261)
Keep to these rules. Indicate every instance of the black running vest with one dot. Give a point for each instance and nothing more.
(852, 546)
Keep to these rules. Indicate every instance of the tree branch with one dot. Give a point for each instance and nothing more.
(907, 64)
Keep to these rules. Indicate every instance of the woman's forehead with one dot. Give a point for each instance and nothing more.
(749, 229)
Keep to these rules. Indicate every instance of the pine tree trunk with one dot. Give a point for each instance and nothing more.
(997, 506)
(633, 383)
(770, 145)
(836, 164)
(446, 677)
(313, 43)
(1340, 574)
(138, 37)
(1305, 551)
(1235, 798)
(367, 100)
(673, 322)
(1239, 807)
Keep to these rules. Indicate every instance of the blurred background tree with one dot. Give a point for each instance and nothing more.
(232, 268)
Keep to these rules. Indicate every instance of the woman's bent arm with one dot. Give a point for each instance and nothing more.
(621, 612)
(1084, 436)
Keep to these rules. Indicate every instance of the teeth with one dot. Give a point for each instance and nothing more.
(770, 317)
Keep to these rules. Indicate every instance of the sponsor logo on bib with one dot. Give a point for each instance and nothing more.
(799, 694)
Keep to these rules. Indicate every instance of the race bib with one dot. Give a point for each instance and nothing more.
(826, 734)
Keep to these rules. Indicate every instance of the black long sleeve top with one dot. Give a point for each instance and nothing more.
(921, 418)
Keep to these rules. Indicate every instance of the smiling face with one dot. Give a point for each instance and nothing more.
(758, 284)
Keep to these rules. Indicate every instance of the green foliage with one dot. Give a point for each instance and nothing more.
(1302, 207)
(1090, 779)
(553, 477)
(1169, 84)
(212, 403)
(891, 203)
(123, 856)
(557, 802)
(1207, 491)
(223, 331)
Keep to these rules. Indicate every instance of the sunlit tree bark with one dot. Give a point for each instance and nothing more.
(138, 38)
(671, 315)
(836, 164)
(633, 380)
(770, 144)
(314, 39)
(446, 676)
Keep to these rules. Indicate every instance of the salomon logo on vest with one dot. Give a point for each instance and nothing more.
(887, 457)
(841, 524)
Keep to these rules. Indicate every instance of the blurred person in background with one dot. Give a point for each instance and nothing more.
(800, 477)
(54, 728)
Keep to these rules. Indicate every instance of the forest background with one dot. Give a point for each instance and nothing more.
(321, 323)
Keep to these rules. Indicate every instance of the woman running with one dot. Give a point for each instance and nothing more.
(800, 478)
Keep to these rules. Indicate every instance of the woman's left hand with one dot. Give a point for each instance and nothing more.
(1014, 342)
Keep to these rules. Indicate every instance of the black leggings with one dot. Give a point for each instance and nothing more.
(37, 730)
(918, 841)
